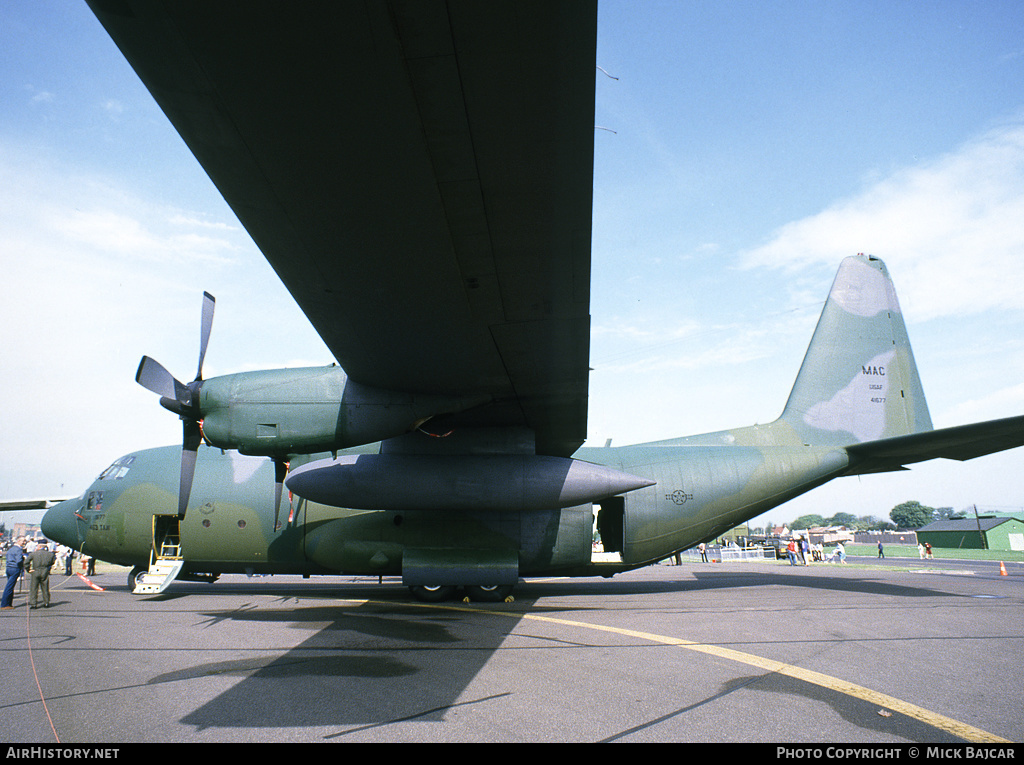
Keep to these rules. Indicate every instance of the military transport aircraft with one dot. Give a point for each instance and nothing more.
(419, 175)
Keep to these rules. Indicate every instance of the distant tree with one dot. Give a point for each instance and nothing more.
(911, 515)
(807, 521)
(842, 519)
(943, 513)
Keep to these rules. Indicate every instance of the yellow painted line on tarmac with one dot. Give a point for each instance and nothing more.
(955, 727)
(948, 724)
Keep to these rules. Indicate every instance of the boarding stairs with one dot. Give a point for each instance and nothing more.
(165, 559)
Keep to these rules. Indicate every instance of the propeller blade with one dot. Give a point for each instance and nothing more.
(280, 471)
(188, 469)
(189, 452)
(153, 377)
(209, 303)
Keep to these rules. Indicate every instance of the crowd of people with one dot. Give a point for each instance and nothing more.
(801, 552)
(36, 559)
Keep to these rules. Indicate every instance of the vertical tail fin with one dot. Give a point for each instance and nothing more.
(858, 381)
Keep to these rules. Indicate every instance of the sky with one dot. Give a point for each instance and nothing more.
(742, 149)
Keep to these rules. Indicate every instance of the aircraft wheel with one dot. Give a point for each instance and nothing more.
(135, 577)
(434, 593)
(494, 593)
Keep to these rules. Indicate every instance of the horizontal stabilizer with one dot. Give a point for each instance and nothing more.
(960, 443)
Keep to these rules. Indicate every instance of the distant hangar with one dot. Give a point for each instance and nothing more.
(983, 532)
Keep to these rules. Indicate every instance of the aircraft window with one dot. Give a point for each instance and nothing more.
(118, 470)
(95, 501)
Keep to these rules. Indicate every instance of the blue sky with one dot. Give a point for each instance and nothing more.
(744, 149)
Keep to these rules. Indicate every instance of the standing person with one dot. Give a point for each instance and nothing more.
(881, 550)
(791, 552)
(805, 547)
(39, 564)
(928, 550)
(703, 552)
(920, 551)
(15, 562)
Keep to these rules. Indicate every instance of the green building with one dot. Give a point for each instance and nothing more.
(984, 533)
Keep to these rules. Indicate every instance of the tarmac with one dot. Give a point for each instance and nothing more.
(880, 653)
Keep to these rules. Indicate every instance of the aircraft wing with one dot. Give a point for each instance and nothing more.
(419, 173)
(960, 443)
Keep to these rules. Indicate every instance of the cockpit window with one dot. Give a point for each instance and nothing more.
(118, 470)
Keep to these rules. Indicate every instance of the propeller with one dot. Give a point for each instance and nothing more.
(183, 400)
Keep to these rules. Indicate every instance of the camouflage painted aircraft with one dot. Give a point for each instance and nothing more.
(419, 175)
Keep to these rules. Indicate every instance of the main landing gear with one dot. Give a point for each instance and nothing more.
(479, 593)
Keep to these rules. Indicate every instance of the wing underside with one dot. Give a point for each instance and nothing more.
(418, 173)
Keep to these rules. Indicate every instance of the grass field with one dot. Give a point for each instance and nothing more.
(910, 551)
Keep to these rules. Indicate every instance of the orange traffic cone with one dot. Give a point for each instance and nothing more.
(1002, 569)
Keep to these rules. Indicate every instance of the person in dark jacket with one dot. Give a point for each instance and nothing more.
(15, 563)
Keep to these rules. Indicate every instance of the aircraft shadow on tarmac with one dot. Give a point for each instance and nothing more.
(864, 714)
(385, 660)
(367, 664)
(864, 582)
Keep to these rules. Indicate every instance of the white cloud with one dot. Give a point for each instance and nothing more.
(950, 230)
(1005, 402)
(96, 275)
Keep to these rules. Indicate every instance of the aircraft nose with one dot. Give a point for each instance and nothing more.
(59, 523)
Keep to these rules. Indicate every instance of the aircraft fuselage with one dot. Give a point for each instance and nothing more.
(704, 486)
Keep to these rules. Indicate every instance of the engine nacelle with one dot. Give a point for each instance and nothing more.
(278, 412)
